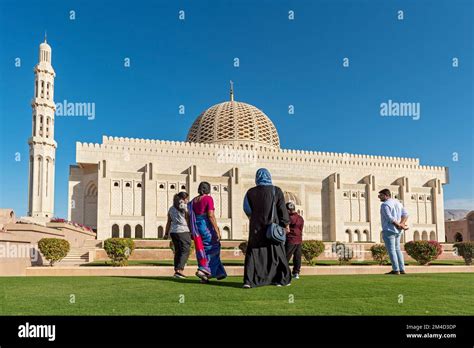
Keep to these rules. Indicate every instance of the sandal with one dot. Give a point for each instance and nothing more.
(203, 276)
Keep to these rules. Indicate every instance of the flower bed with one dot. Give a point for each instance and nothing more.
(72, 223)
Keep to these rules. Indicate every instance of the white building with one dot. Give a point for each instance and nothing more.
(41, 142)
(123, 186)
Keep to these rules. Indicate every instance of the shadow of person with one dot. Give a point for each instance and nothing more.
(212, 282)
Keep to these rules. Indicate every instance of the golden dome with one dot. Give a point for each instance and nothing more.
(234, 123)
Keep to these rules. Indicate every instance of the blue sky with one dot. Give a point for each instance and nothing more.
(282, 62)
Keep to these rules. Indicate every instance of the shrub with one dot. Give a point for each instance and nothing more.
(191, 249)
(243, 247)
(343, 252)
(379, 253)
(53, 249)
(466, 250)
(118, 250)
(423, 251)
(310, 249)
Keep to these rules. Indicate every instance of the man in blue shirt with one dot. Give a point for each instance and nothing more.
(393, 217)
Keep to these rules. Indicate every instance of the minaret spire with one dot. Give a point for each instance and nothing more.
(231, 91)
(42, 143)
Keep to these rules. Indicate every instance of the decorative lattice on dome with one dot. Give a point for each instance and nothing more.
(233, 121)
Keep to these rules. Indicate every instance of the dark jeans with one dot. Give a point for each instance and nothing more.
(182, 246)
(295, 251)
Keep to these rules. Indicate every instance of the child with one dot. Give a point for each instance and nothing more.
(177, 227)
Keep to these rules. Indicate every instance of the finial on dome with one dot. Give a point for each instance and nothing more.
(45, 36)
(231, 91)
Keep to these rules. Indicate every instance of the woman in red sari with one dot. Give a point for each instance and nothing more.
(206, 235)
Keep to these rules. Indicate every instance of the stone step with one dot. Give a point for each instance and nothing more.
(164, 243)
(230, 254)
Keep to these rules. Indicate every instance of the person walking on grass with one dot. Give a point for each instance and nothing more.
(206, 235)
(294, 239)
(177, 227)
(265, 260)
(393, 217)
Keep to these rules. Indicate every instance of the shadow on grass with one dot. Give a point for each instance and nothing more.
(212, 282)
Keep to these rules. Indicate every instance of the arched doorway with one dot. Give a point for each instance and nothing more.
(115, 231)
(161, 232)
(127, 231)
(357, 237)
(366, 236)
(348, 236)
(416, 236)
(138, 231)
(424, 235)
(226, 233)
(90, 205)
(433, 235)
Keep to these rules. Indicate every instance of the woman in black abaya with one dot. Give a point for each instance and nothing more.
(265, 261)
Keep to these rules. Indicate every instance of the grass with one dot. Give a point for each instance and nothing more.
(423, 294)
(241, 262)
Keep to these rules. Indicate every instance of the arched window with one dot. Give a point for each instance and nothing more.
(115, 231)
(424, 235)
(366, 236)
(116, 184)
(226, 232)
(139, 185)
(40, 170)
(416, 236)
(127, 184)
(458, 237)
(161, 232)
(348, 236)
(432, 235)
(138, 231)
(127, 231)
(357, 236)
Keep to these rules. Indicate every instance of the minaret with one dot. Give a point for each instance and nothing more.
(42, 144)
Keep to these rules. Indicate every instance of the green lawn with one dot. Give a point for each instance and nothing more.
(423, 294)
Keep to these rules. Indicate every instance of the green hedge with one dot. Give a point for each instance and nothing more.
(119, 250)
(466, 250)
(53, 249)
(424, 251)
(379, 253)
(311, 249)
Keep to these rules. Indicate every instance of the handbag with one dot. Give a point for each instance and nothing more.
(275, 232)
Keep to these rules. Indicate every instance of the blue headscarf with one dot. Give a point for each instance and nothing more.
(263, 177)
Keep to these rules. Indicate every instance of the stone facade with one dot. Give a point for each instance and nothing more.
(131, 182)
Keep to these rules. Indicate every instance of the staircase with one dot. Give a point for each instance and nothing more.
(79, 255)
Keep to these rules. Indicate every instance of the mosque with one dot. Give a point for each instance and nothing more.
(123, 187)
